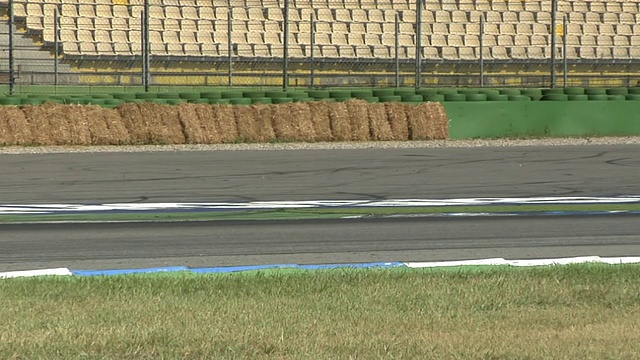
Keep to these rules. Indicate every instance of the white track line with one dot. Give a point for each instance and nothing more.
(266, 205)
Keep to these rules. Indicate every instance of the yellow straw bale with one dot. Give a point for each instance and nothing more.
(14, 126)
(300, 111)
(226, 125)
(320, 119)
(380, 127)
(339, 117)
(425, 122)
(397, 116)
(359, 120)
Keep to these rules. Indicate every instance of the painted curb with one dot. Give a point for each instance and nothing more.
(395, 264)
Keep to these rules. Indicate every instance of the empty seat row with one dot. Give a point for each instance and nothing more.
(322, 14)
(348, 52)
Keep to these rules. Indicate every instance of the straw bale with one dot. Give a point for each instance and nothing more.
(39, 125)
(225, 121)
(6, 134)
(198, 122)
(397, 117)
(14, 125)
(135, 123)
(193, 131)
(150, 123)
(439, 121)
(319, 115)
(286, 122)
(165, 127)
(105, 126)
(359, 120)
(98, 130)
(245, 116)
(380, 127)
(60, 131)
(339, 117)
(118, 133)
(426, 122)
(77, 122)
(301, 112)
(263, 115)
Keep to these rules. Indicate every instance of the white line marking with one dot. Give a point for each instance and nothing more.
(529, 262)
(30, 273)
(266, 205)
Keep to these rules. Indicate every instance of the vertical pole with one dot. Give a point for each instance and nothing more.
(143, 46)
(397, 49)
(146, 46)
(564, 50)
(554, 14)
(285, 50)
(56, 35)
(12, 80)
(312, 41)
(230, 46)
(418, 43)
(482, 50)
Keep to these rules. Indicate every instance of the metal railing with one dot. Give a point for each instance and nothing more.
(421, 43)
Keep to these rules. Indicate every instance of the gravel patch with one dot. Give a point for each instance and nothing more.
(327, 145)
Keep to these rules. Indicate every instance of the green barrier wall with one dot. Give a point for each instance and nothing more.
(542, 118)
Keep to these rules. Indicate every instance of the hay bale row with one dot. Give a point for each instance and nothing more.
(150, 123)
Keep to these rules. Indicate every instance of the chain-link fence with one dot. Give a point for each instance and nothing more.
(320, 42)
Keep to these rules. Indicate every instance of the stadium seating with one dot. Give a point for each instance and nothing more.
(514, 30)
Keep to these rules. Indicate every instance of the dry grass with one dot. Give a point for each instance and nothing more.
(149, 123)
(575, 312)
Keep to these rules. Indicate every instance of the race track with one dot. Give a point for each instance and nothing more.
(312, 175)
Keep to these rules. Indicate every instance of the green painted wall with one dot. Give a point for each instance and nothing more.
(493, 119)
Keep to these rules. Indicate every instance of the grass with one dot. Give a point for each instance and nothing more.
(314, 213)
(568, 312)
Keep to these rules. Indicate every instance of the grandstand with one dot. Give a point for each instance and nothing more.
(101, 40)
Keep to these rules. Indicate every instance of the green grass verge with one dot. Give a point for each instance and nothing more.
(316, 213)
(567, 312)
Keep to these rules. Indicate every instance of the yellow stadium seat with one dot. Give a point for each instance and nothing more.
(519, 53)
(70, 48)
(467, 53)
(428, 52)
(88, 48)
(621, 53)
(381, 52)
(450, 53)
(330, 51)
(604, 53)
(122, 48)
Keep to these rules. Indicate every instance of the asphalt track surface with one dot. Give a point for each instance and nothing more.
(313, 175)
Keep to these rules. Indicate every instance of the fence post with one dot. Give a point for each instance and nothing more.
(418, 43)
(564, 50)
(12, 80)
(554, 14)
(230, 46)
(312, 42)
(55, 45)
(146, 47)
(482, 50)
(285, 50)
(397, 48)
